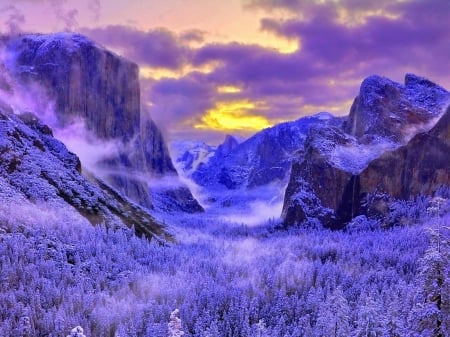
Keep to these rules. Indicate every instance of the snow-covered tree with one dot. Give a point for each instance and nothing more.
(334, 316)
(77, 332)
(370, 321)
(261, 329)
(174, 326)
(430, 317)
(25, 327)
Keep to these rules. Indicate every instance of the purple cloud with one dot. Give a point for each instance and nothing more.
(15, 19)
(324, 74)
(193, 35)
(159, 48)
(176, 100)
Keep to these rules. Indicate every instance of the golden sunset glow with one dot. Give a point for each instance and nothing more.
(228, 89)
(159, 73)
(235, 115)
(355, 18)
(283, 46)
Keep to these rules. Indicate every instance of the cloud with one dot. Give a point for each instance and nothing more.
(340, 43)
(15, 19)
(175, 101)
(158, 48)
(307, 6)
(68, 17)
(193, 35)
(96, 7)
(86, 145)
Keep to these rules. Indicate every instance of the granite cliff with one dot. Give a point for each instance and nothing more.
(396, 111)
(85, 81)
(386, 147)
(36, 168)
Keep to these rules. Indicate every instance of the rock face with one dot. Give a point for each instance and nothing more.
(90, 83)
(84, 80)
(189, 155)
(419, 167)
(384, 108)
(36, 166)
(262, 159)
(338, 168)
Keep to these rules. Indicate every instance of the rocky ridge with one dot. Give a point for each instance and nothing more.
(386, 147)
(87, 82)
(260, 160)
(38, 168)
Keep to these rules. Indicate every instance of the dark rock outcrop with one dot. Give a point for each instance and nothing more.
(88, 82)
(392, 110)
(36, 166)
(419, 167)
(318, 187)
(338, 169)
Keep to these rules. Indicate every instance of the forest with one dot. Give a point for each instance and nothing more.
(226, 279)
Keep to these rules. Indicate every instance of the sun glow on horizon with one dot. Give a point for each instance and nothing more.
(228, 89)
(159, 73)
(234, 116)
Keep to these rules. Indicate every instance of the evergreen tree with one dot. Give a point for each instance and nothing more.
(431, 314)
(370, 321)
(77, 332)
(174, 326)
(25, 327)
(333, 320)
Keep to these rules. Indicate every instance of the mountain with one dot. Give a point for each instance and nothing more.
(36, 168)
(89, 83)
(385, 147)
(260, 160)
(393, 110)
(190, 154)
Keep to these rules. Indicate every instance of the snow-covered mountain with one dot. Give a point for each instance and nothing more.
(386, 150)
(92, 97)
(190, 154)
(261, 159)
(39, 171)
(245, 181)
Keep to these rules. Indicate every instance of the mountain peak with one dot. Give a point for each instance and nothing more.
(228, 145)
(388, 109)
(86, 82)
(323, 115)
(414, 80)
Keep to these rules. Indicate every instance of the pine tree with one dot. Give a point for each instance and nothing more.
(77, 332)
(261, 329)
(25, 327)
(333, 320)
(430, 316)
(370, 322)
(174, 326)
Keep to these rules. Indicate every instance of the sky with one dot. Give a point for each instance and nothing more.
(210, 68)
